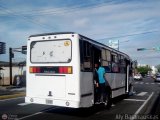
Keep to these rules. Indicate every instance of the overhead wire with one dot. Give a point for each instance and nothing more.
(67, 10)
(25, 18)
(42, 12)
(128, 35)
(61, 10)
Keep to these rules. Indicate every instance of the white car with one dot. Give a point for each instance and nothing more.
(157, 79)
(138, 77)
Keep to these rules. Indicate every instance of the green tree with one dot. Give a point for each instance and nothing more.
(143, 69)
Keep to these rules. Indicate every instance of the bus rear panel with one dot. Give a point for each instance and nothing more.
(53, 75)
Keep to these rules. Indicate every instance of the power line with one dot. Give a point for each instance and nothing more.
(55, 12)
(66, 10)
(24, 18)
(61, 11)
(148, 32)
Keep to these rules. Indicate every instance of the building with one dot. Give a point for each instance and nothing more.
(18, 69)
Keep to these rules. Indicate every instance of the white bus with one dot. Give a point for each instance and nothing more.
(60, 70)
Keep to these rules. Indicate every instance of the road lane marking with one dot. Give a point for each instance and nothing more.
(141, 93)
(138, 111)
(136, 82)
(152, 83)
(113, 105)
(146, 83)
(158, 83)
(23, 104)
(141, 82)
(138, 100)
(37, 113)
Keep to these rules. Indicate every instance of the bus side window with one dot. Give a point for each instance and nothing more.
(122, 64)
(85, 56)
(115, 64)
(106, 58)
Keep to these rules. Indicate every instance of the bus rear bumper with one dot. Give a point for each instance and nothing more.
(54, 102)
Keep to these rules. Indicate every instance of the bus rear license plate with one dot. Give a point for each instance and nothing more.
(49, 101)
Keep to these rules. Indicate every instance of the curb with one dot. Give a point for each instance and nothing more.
(20, 94)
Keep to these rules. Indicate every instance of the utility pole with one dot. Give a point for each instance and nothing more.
(23, 50)
(11, 55)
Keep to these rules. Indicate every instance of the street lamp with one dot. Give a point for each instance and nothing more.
(122, 42)
(115, 43)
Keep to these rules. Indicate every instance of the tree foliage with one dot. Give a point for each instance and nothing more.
(143, 69)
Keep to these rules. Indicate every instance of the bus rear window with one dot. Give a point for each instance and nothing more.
(51, 51)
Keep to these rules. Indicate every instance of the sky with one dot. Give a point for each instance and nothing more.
(134, 23)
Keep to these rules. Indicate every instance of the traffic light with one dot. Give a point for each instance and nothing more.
(2, 48)
(157, 48)
(154, 48)
(24, 49)
(141, 49)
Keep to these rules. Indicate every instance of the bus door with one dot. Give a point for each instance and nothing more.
(127, 75)
(96, 54)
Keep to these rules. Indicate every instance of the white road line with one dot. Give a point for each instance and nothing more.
(152, 83)
(138, 111)
(158, 83)
(138, 100)
(141, 93)
(147, 83)
(37, 113)
(10, 99)
(113, 105)
(141, 82)
(23, 104)
(136, 83)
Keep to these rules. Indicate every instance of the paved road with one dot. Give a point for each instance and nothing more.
(123, 108)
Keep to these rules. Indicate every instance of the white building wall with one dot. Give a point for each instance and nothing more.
(6, 74)
(154, 70)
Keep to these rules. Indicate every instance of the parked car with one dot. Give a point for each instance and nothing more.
(157, 78)
(138, 77)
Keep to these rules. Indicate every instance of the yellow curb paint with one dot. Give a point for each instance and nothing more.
(12, 96)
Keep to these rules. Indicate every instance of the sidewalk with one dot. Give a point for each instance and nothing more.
(7, 92)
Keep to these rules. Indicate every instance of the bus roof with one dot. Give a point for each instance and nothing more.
(54, 33)
(85, 38)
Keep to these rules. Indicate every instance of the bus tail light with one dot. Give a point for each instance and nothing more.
(51, 69)
(35, 70)
(65, 70)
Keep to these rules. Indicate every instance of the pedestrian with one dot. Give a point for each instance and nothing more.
(101, 84)
(95, 76)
